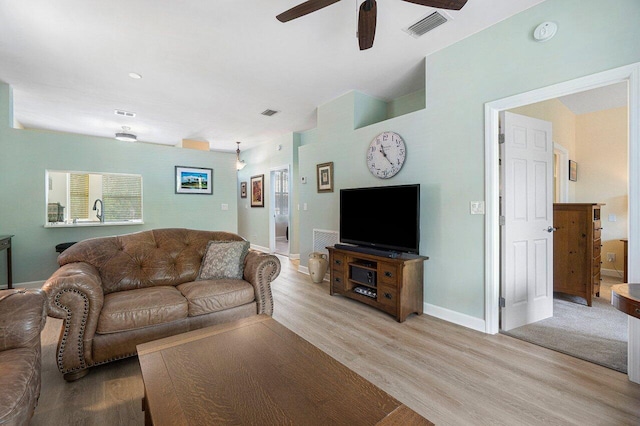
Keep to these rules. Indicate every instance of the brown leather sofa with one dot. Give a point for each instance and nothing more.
(22, 318)
(114, 293)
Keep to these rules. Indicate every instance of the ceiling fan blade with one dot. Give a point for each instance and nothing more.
(441, 4)
(367, 23)
(303, 9)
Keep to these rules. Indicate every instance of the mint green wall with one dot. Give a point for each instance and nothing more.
(445, 141)
(405, 104)
(253, 222)
(367, 110)
(25, 154)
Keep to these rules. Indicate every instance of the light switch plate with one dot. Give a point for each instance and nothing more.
(477, 207)
(225, 206)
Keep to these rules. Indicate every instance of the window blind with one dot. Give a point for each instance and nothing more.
(79, 194)
(122, 197)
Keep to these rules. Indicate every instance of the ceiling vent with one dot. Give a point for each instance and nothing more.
(427, 24)
(269, 112)
(124, 113)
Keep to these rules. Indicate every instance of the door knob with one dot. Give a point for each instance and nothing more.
(550, 229)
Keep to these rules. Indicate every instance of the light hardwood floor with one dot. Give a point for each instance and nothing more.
(447, 373)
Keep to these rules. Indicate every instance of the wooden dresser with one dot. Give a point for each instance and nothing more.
(576, 249)
(393, 285)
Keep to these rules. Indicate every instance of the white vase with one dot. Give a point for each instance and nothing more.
(318, 265)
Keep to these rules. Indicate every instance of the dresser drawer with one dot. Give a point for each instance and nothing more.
(597, 263)
(597, 232)
(597, 248)
(388, 274)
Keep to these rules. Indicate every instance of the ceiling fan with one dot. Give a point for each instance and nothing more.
(366, 15)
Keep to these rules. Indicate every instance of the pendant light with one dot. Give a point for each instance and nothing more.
(239, 163)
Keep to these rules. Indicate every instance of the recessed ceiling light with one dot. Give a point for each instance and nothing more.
(135, 75)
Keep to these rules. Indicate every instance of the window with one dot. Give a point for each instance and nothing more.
(79, 195)
(87, 198)
(122, 197)
(282, 192)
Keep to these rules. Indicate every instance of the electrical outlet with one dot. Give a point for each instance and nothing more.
(476, 207)
(611, 257)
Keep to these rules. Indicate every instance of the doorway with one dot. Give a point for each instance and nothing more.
(594, 126)
(630, 74)
(279, 217)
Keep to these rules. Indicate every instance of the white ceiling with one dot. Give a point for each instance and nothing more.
(210, 67)
(607, 97)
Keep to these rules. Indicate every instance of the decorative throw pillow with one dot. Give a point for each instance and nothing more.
(223, 259)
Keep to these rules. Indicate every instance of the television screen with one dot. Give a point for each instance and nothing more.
(383, 217)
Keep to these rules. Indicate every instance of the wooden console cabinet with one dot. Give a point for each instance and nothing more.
(576, 249)
(393, 285)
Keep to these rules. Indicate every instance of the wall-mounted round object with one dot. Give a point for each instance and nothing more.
(545, 31)
(386, 155)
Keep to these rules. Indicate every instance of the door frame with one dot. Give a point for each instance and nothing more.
(272, 206)
(629, 73)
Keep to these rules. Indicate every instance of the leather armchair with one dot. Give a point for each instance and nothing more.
(22, 318)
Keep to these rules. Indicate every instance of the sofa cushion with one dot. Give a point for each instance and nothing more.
(139, 308)
(19, 371)
(216, 295)
(223, 259)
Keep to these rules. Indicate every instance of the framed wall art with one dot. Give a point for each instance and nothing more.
(194, 180)
(325, 177)
(257, 191)
(243, 189)
(573, 171)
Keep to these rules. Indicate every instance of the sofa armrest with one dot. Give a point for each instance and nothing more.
(22, 317)
(74, 294)
(260, 269)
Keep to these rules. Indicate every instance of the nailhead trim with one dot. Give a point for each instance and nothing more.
(67, 326)
(263, 283)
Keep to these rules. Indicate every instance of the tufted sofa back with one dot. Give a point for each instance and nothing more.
(169, 256)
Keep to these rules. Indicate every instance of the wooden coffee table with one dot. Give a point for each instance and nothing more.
(256, 371)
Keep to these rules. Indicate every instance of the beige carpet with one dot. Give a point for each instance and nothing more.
(596, 334)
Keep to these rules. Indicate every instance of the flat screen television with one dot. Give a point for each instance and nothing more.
(381, 217)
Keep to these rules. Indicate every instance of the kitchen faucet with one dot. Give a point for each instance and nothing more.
(100, 211)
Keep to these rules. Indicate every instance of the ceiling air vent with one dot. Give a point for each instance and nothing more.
(427, 24)
(269, 112)
(125, 113)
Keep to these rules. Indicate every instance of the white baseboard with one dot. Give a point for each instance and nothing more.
(611, 273)
(260, 248)
(29, 284)
(294, 256)
(464, 320)
(305, 270)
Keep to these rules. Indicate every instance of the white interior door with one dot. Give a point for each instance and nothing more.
(527, 233)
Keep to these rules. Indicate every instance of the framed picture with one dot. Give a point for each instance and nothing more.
(573, 171)
(257, 191)
(243, 189)
(325, 177)
(194, 180)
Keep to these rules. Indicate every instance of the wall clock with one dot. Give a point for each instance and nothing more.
(386, 155)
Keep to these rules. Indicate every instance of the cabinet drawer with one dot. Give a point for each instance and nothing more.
(338, 262)
(597, 248)
(387, 296)
(388, 274)
(337, 280)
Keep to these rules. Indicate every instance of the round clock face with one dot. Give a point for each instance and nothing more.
(386, 155)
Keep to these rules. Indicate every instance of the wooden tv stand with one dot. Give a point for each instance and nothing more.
(394, 285)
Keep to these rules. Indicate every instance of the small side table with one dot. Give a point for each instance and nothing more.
(5, 244)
